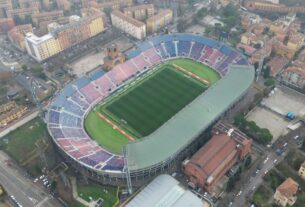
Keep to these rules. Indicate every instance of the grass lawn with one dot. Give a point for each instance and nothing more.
(95, 191)
(197, 68)
(104, 134)
(149, 105)
(261, 196)
(22, 141)
(274, 179)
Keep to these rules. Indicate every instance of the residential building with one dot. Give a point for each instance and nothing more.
(277, 64)
(140, 12)
(301, 171)
(43, 25)
(273, 1)
(5, 5)
(107, 5)
(248, 38)
(210, 163)
(42, 48)
(270, 7)
(64, 4)
(46, 16)
(283, 50)
(295, 41)
(29, 3)
(295, 75)
(285, 194)
(6, 25)
(131, 26)
(265, 51)
(22, 13)
(17, 35)
(160, 20)
(12, 115)
(63, 37)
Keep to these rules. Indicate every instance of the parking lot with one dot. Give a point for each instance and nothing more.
(274, 108)
(266, 119)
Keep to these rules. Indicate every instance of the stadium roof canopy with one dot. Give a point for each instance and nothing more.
(177, 133)
(165, 191)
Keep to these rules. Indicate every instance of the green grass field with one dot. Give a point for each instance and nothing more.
(21, 141)
(197, 68)
(95, 191)
(104, 134)
(148, 104)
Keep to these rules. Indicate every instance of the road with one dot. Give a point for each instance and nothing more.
(251, 180)
(256, 179)
(27, 193)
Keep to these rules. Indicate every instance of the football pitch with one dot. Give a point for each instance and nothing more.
(147, 104)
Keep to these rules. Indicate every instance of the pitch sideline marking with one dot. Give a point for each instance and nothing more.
(191, 74)
(115, 127)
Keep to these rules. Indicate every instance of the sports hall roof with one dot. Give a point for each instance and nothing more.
(165, 191)
(163, 144)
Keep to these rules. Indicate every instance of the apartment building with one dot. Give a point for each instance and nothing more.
(301, 171)
(46, 16)
(160, 20)
(17, 35)
(285, 193)
(140, 12)
(63, 37)
(42, 48)
(108, 4)
(131, 26)
(5, 5)
(6, 24)
(64, 4)
(29, 3)
(23, 12)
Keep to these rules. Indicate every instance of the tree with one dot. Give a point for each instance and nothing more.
(181, 25)
(38, 71)
(264, 136)
(230, 184)
(266, 72)
(24, 67)
(230, 15)
(239, 120)
(248, 161)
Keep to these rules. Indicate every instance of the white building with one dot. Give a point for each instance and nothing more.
(164, 190)
(129, 25)
(41, 48)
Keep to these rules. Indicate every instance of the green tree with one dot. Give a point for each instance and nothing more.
(230, 184)
(181, 25)
(266, 72)
(248, 161)
(24, 67)
(38, 71)
(264, 136)
(230, 15)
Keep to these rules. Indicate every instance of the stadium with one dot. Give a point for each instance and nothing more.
(137, 119)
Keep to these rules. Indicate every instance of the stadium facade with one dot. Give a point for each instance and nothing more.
(173, 139)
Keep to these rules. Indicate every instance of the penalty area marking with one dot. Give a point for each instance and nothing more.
(115, 127)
